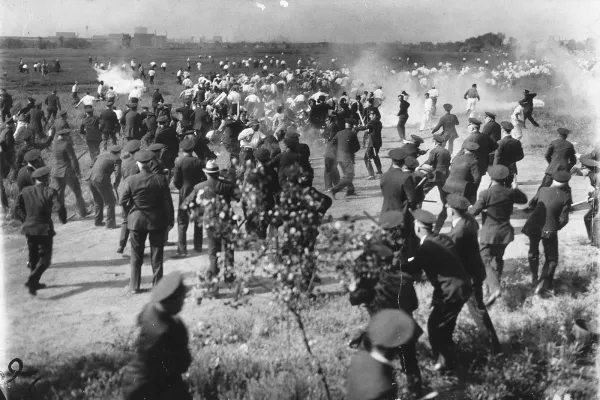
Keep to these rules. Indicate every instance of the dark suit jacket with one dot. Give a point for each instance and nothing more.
(133, 123)
(202, 121)
(487, 146)
(398, 189)
(369, 379)
(283, 161)
(448, 122)
(90, 127)
(439, 159)
(347, 144)
(65, 160)
(168, 137)
(105, 165)
(148, 199)
(413, 150)
(509, 151)
(188, 173)
(211, 188)
(157, 98)
(464, 170)
(464, 235)
(439, 258)
(24, 177)
(35, 122)
(560, 156)
(35, 205)
(551, 212)
(186, 116)
(493, 130)
(109, 123)
(497, 205)
(128, 167)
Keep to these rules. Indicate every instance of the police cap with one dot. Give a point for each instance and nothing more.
(498, 172)
(187, 145)
(491, 115)
(474, 121)
(115, 149)
(424, 217)
(416, 138)
(168, 287)
(163, 119)
(155, 147)
(563, 131)
(144, 156)
(32, 155)
(40, 172)
(411, 162)
(132, 146)
(447, 106)
(458, 202)
(507, 125)
(391, 219)
(438, 138)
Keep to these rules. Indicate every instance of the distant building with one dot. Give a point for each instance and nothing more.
(66, 35)
(218, 39)
(142, 39)
(140, 29)
(159, 41)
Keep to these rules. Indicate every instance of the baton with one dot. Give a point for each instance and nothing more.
(82, 154)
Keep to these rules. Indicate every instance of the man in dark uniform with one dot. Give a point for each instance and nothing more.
(150, 126)
(188, 173)
(167, 136)
(162, 353)
(412, 147)
(202, 120)
(52, 105)
(128, 167)
(318, 113)
(37, 120)
(464, 234)
(496, 204)
(439, 160)
(102, 189)
(147, 198)
(331, 174)
(66, 170)
(27, 136)
(372, 143)
(60, 123)
(157, 98)
(491, 127)
(560, 157)
(109, 124)
(232, 127)
(487, 146)
(551, 214)
(33, 159)
(448, 122)
(509, 151)
(28, 107)
(527, 103)
(347, 145)
(187, 120)
(90, 127)
(6, 103)
(286, 161)
(35, 205)
(591, 169)
(261, 187)
(371, 374)
(7, 158)
(304, 160)
(213, 188)
(438, 257)
(132, 120)
(464, 177)
(402, 117)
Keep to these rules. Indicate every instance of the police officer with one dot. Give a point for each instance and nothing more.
(439, 160)
(486, 148)
(491, 127)
(496, 204)
(551, 214)
(438, 257)
(132, 120)
(128, 167)
(527, 103)
(464, 234)
(109, 124)
(304, 160)
(162, 353)
(102, 190)
(33, 160)
(188, 173)
(167, 136)
(448, 123)
(509, 151)
(29, 144)
(60, 123)
(148, 198)
(591, 170)
(66, 170)
(90, 127)
(560, 156)
(331, 174)
(347, 145)
(34, 209)
(412, 147)
(464, 177)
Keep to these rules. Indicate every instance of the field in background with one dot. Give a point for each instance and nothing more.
(259, 351)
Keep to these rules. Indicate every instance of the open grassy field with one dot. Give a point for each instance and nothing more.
(79, 332)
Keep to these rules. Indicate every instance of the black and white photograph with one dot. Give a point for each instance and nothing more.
(299, 200)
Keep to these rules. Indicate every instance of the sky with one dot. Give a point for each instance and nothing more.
(307, 20)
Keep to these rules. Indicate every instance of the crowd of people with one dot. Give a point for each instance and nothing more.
(260, 119)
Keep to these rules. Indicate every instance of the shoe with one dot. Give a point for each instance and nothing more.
(32, 290)
(179, 255)
(113, 226)
(351, 194)
(493, 297)
(99, 223)
(167, 243)
(85, 214)
(333, 195)
(198, 249)
(371, 177)
(379, 173)
(128, 290)
(534, 280)
(120, 250)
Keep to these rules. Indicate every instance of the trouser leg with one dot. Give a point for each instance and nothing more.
(44, 249)
(214, 247)
(587, 220)
(73, 183)
(440, 326)
(551, 260)
(183, 221)
(441, 218)
(32, 247)
(156, 254)
(367, 158)
(94, 148)
(533, 256)
(98, 204)
(137, 241)
(3, 196)
(410, 365)
(492, 281)
(376, 159)
(480, 315)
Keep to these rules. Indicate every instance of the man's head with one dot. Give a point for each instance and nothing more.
(471, 147)
(424, 221)
(474, 85)
(426, 95)
(254, 124)
(143, 158)
(34, 158)
(563, 132)
(457, 205)
(507, 127)
(489, 116)
(474, 124)
(212, 169)
(398, 156)
(54, 91)
(350, 123)
(40, 176)
(170, 293)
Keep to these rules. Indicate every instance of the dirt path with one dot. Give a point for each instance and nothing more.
(85, 304)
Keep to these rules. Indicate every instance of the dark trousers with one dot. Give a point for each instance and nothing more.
(70, 180)
(551, 258)
(450, 142)
(528, 114)
(106, 138)
(215, 245)
(440, 327)
(5, 114)
(51, 112)
(94, 148)
(103, 196)
(493, 258)
(183, 221)
(372, 153)
(138, 241)
(152, 79)
(331, 175)
(401, 127)
(40, 256)
(410, 366)
(124, 232)
(3, 196)
(588, 220)
(347, 178)
(441, 218)
(480, 315)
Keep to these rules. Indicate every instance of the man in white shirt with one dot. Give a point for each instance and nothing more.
(234, 97)
(251, 101)
(163, 66)
(187, 83)
(517, 118)
(136, 92)
(111, 95)
(433, 95)
(151, 74)
(100, 95)
(427, 109)
(87, 100)
(249, 139)
(378, 97)
(74, 92)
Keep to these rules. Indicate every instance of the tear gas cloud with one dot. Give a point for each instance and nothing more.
(121, 80)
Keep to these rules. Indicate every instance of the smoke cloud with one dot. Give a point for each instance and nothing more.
(121, 80)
